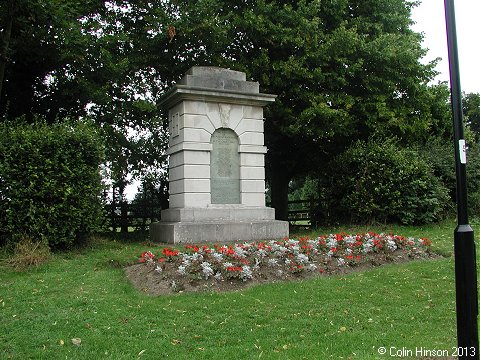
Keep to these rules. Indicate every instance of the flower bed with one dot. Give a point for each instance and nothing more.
(224, 267)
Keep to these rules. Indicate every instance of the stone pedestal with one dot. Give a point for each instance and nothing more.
(216, 168)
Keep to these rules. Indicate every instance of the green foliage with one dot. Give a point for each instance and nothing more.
(471, 112)
(379, 181)
(341, 69)
(440, 156)
(87, 58)
(39, 39)
(303, 188)
(49, 181)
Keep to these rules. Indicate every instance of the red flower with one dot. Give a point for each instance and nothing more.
(169, 252)
(234, 268)
(147, 255)
(426, 242)
(378, 243)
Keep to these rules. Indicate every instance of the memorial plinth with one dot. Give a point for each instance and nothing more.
(217, 161)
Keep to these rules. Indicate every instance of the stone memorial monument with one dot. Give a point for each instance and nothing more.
(217, 161)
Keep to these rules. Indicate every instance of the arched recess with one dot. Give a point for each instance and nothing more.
(224, 167)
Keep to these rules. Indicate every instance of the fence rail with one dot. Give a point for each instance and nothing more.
(124, 216)
(301, 210)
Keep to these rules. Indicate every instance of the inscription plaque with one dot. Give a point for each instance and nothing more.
(225, 167)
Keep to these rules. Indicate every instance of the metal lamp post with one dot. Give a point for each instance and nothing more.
(465, 257)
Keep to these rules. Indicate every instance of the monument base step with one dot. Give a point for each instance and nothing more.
(217, 231)
(219, 213)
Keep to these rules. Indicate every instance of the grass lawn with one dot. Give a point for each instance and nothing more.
(84, 294)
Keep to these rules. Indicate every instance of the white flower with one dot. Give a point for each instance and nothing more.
(260, 254)
(186, 261)
(241, 253)
(247, 245)
(293, 245)
(311, 267)
(276, 248)
(332, 242)
(350, 239)
(182, 270)
(340, 261)
(197, 256)
(158, 269)
(367, 246)
(227, 264)
(391, 245)
(217, 256)
(218, 276)
(302, 258)
(314, 246)
(246, 273)
(292, 242)
(272, 262)
(206, 269)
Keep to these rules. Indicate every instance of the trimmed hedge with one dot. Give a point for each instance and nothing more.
(379, 181)
(50, 182)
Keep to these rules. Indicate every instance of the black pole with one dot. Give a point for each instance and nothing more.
(465, 257)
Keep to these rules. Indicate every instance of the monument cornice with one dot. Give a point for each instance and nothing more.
(181, 93)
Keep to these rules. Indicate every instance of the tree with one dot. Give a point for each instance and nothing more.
(37, 38)
(342, 69)
(471, 112)
(108, 60)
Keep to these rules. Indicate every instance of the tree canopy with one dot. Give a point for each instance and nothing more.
(342, 70)
(471, 112)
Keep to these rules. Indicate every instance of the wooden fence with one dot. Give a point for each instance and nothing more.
(125, 217)
(301, 211)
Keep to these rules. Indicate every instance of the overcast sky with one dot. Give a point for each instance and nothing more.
(430, 19)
